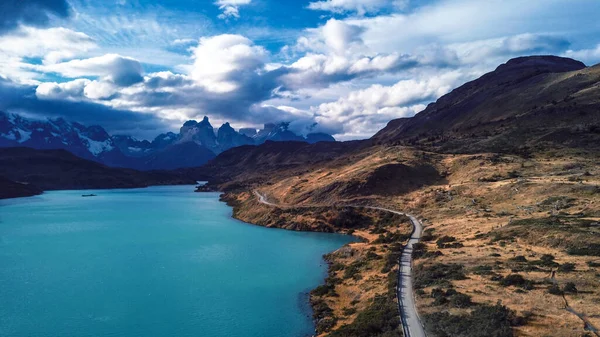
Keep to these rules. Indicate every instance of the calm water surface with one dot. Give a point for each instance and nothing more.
(162, 261)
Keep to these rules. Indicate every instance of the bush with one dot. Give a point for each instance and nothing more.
(438, 274)
(482, 270)
(419, 250)
(593, 249)
(379, 319)
(519, 258)
(372, 256)
(391, 238)
(516, 280)
(428, 236)
(483, 321)
(547, 258)
(350, 217)
(566, 267)
(570, 288)
(448, 242)
(554, 290)
(323, 315)
(461, 301)
(353, 270)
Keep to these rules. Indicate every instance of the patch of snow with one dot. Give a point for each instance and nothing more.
(134, 149)
(25, 135)
(11, 118)
(96, 147)
(40, 129)
(10, 135)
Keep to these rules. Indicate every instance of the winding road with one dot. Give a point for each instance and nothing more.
(411, 323)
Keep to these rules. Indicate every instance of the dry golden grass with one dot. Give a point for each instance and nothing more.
(479, 194)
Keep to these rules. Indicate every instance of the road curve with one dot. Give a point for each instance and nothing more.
(411, 323)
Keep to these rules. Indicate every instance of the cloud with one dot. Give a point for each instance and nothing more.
(364, 112)
(49, 45)
(224, 63)
(30, 12)
(589, 56)
(117, 69)
(231, 8)
(361, 7)
(22, 99)
(72, 91)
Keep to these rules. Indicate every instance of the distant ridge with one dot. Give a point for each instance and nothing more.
(194, 145)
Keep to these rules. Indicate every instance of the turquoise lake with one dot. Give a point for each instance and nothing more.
(161, 261)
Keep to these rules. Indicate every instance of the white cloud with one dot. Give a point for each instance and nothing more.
(364, 112)
(117, 69)
(231, 8)
(588, 56)
(51, 45)
(72, 91)
(361, 7)
(77, 90)
(222, 63)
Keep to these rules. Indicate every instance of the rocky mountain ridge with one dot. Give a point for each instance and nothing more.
(196, 143)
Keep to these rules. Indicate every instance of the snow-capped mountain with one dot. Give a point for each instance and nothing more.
(87, 142)
(196, 143)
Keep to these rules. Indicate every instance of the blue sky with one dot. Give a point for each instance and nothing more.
(345, 67)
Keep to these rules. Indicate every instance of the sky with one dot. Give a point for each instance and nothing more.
(345, 67)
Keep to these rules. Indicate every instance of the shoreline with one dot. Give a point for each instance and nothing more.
(410, 323)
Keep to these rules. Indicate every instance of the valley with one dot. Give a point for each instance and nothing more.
(503, 172)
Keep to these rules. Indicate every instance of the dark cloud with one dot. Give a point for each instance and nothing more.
(30, 12)
(22, 99)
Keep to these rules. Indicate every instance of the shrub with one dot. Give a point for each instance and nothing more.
(460, 301)
(519, 258)
(323, 315)
(516, 280)
(438, 274)
(391, 238)
(554, 290)
(566, 267)
(482, 270)
(379, 319)
(593, 249)
(353, 270)
(350, 217)
(419, 249)
(445, 239)
(547, 258)
(428, 236)
(483, 321)
(372, 256)
(570, 288)
(349, 311)
(593, 264)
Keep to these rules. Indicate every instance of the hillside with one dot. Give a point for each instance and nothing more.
(503, 172)
(11, 189)
(59, 169)
(536, 102)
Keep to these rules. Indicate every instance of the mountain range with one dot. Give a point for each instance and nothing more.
(196, 143)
